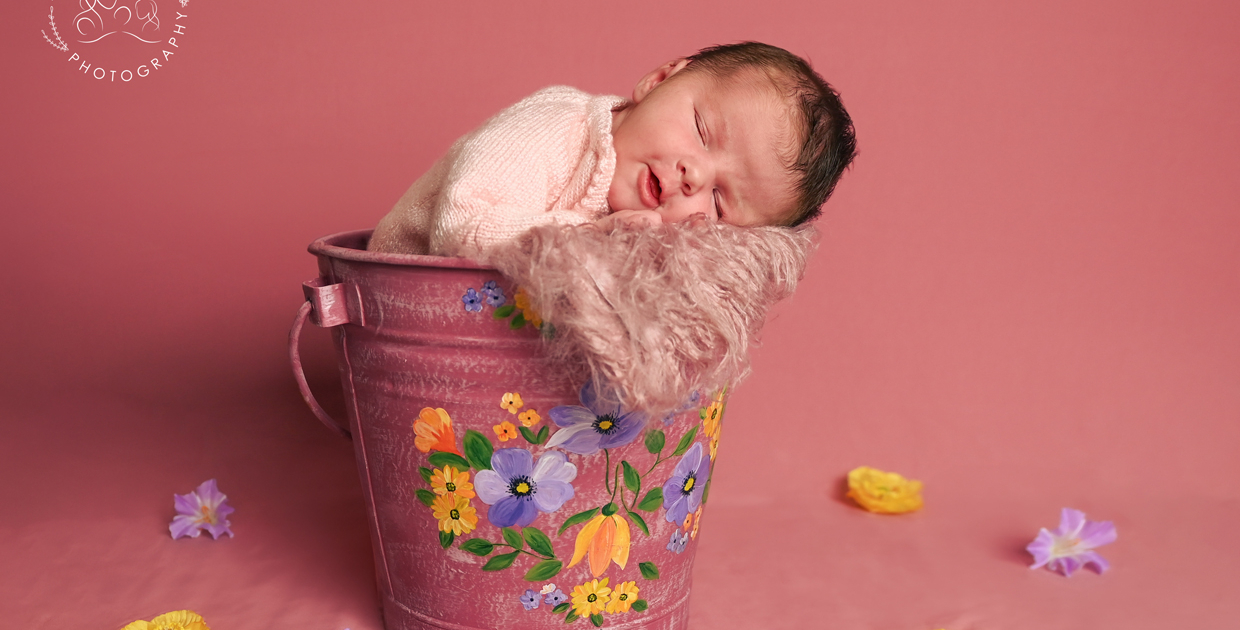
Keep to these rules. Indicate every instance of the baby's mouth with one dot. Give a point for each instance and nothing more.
(656, 191)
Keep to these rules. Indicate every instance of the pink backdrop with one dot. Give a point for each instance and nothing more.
(1027, 296)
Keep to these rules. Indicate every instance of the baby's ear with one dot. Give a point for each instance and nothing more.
(657, 76)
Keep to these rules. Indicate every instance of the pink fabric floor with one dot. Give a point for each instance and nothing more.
(1027, 296)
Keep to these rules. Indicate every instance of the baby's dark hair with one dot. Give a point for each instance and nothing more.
(828, 144)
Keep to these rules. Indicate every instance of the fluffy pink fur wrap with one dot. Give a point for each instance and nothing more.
(657, 312)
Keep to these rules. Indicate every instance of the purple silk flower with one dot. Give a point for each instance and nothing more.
(204, 508)
(599, 423)
(682, 494)
(517, 490)
(1071, 545)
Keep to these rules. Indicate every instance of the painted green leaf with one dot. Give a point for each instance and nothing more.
(446, 538)
(570, 617)
(633, 516)
(632, 480)
(649, 571)
(561, 608)
(640, 605)
(478, 546)
(543, 434)
(502, 561)
(513, 537)
(597, 620)
(426, 473)
(478, 449)
(655, 440)
(653, 500)
(685, 442)
(544, 570)
(503, 311)
(529, 435)
(579, 517)
(425, 496)
(706, 492)
(538, 541)
(441, 459)
(518, 321)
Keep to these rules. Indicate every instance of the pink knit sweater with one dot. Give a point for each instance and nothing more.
(548, 159)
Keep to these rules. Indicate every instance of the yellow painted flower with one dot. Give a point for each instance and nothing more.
(711, 417)
(433, 430)
(591, 598)
(606, 538)
(175, 620)
(455, 514)
(714, 444)
(697, 522)
(883, 492)
(512, 402)
(449, 480)
(531, 315)
(505, 430)
(529, 418)
(622, 597)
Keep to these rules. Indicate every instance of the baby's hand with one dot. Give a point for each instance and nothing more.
(630, 217)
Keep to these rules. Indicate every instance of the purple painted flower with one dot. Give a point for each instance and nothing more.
(599, 423)
(682, 494)
(517, 490)
(1071, 546)
(678, 541)
(555, 598)
(495, 295)
(473, 301)
(204, 508)
(530, 599)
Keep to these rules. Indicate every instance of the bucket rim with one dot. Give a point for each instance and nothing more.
(327, 246)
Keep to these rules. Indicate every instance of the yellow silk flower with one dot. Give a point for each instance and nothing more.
(175, 620)
(883, 492)
(606, 538)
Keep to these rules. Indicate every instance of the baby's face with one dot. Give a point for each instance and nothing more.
(700, 144)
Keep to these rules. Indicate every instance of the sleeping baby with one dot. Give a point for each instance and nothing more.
(744, 134)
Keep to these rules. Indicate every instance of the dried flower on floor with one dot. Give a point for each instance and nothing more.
(883, 492)
(175, 620)
(1071, 545)
(204, 508)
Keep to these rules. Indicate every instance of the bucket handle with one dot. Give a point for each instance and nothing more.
(294, 356)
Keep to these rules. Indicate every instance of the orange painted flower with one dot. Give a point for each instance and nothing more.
(883, 492)
(688, 521)
(591, 598)
(433, 430)
(529, 418)
(711, 417)
(512, 402)
(606, 539)
(455, 514)
(505, 430)
(522, 300)
(175, 620)
(449, 480)
(622, 597)
(697, 522)
(714, 444)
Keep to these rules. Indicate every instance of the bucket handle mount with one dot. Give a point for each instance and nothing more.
(325, 306)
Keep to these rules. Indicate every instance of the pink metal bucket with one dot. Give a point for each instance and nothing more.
(502, 491)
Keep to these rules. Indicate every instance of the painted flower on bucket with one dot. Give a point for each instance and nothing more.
(554, 597)
(511, 401)
(883, 492)
(433, 430)
(591, 598)
(505, 431)
(530, 599)
(449, 480)
(175, 620)
(495, 295)
(622, 597)
(473, 301)
(529, 417)
(599, 423)
(682, 494)
(204, 508)
(677, 543)
(606, 539)
(1071, 545)
(455, 514)
(517, 490)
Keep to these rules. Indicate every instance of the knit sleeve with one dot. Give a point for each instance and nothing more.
(510, 174)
